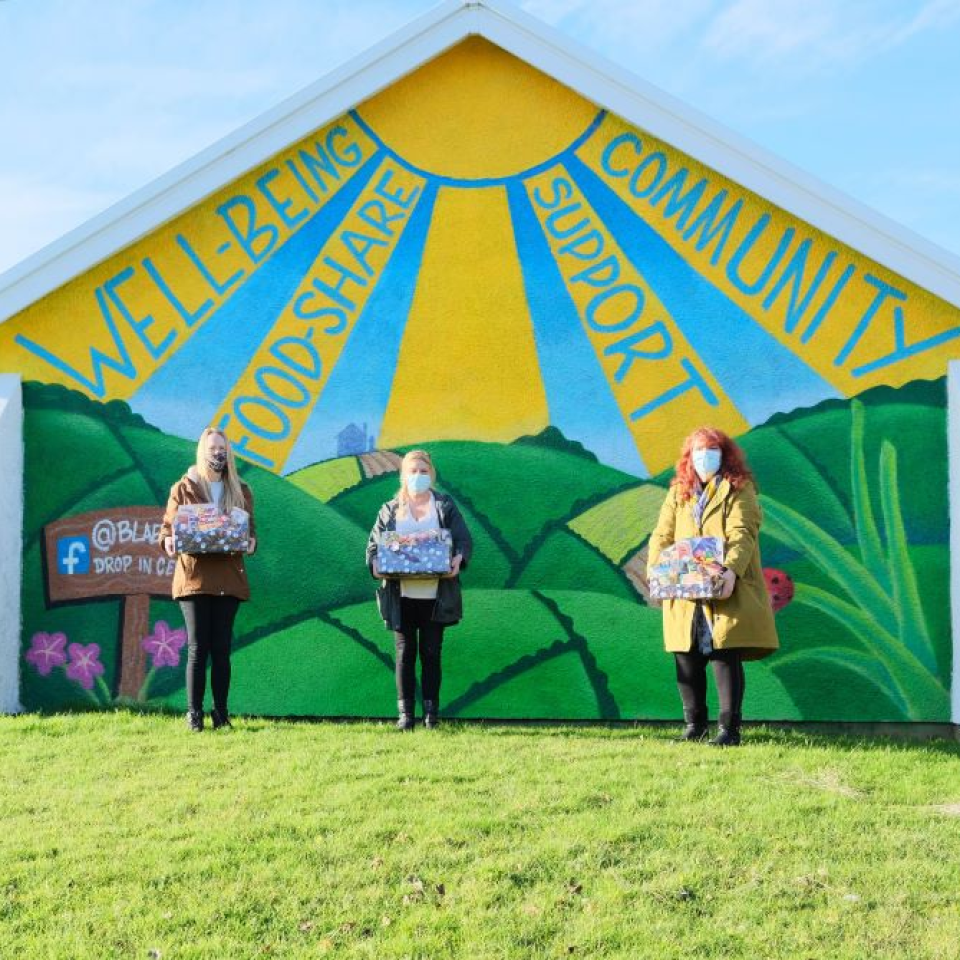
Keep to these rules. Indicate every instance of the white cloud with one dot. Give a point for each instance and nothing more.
(816, 34)
(624, 28)
(100, 99)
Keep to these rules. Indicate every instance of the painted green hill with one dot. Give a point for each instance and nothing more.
(854, 494)
(309, 556)
(326, 479)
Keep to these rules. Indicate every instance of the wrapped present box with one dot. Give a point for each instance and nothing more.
(425, 553)
(205, 528)
(688, 570)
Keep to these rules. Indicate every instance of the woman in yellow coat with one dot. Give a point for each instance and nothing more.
(713, 494)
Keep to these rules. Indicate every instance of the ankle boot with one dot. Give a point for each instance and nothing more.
(220, 718)
(195, 720)
(405, 709)
(431, 714)
(728, 731)
(696, 725)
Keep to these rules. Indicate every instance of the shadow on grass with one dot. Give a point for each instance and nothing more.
(941, 739)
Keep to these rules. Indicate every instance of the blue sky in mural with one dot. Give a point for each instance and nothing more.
(101, 98)
(220, 351)
(579, 398)
(359, 386)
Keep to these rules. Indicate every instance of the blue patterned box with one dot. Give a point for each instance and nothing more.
(422, 554)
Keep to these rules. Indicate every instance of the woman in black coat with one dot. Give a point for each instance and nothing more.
(418, 610)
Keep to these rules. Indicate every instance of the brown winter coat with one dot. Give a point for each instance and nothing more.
(744, 620)
(218, 574)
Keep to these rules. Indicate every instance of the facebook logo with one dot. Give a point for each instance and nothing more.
(73, 555)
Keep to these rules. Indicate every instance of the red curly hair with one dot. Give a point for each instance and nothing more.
(733, 462)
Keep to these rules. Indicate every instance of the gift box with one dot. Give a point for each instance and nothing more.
(690, 569)
(425, 553)
(205, 528)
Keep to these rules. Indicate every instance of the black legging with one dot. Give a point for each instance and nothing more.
(418, 632)
(728, 674)
(209, 622)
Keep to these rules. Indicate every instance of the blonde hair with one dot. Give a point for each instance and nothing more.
(232, 493)
(411, 457)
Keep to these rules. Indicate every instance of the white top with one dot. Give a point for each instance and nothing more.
(216, 491)
(420, 589)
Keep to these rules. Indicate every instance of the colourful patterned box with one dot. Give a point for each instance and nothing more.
(688, 570)
(205, 528)
(422, 554)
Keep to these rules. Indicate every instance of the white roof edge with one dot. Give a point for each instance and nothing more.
(737, 157)
(610, 86)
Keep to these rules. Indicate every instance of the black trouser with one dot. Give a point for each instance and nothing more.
(418, 632)
(692, 682)
(209, 622)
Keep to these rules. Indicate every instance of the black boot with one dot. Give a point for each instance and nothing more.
(195, 720)
(220, 718)
(728, 731)
(431, 714)
(405, 720)
(696, 725)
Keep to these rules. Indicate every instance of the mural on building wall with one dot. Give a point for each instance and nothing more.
(479, 261)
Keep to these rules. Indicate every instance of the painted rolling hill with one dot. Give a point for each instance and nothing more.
(556, 622)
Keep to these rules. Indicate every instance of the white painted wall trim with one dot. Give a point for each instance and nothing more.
(953, 447)
(543, 47)
(11, 538)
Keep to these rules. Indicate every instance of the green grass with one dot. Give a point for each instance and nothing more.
(126, 836)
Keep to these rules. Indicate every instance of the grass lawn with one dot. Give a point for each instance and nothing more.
(125, 836)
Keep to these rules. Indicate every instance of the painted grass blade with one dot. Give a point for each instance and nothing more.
(920, 689)
(861, 623)
(795, 530)
(911, 621)
(857, 662)
(868, 536)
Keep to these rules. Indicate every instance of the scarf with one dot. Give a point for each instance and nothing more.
(707, 490)
(702, 630)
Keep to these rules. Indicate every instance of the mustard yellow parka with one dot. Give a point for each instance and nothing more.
(744, 621)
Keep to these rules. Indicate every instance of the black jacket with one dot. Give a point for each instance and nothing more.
(449, 605)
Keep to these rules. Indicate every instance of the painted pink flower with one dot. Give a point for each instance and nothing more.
(84, 664)
(164, 644)
(46, 651)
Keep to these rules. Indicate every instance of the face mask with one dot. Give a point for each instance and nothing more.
(418, 482)
(706, 463)
(217, 461)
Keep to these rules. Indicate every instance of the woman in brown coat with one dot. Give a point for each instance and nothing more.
(713, 494)
(209, 586)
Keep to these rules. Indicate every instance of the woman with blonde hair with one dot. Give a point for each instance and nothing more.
(209, 586)
(418, 610)
(713, 494)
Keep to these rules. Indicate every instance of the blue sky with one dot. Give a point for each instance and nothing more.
(102, 96)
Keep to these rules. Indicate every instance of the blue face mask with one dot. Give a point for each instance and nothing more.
(706, 463)
(418, 483)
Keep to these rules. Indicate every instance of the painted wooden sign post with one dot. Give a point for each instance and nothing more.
(112, 553)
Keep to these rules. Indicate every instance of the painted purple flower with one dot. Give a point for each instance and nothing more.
(84, 664)
(164, 644)
(46, 651)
